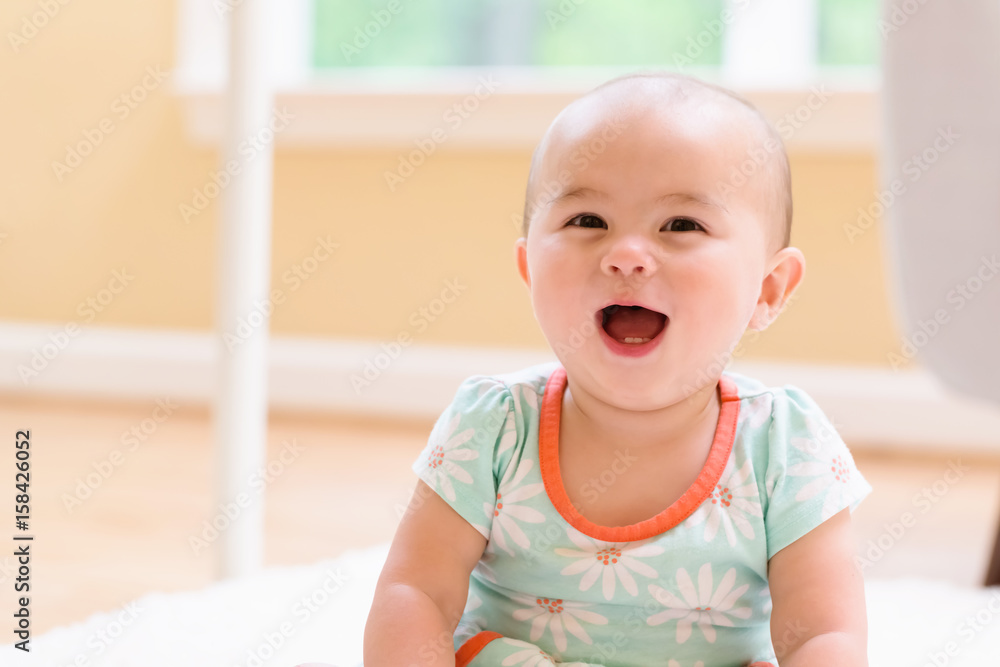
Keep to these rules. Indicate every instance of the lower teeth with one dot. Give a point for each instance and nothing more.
(637, 340)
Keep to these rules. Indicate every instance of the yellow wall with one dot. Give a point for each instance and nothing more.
(450, 220)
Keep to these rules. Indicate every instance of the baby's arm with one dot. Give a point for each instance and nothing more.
(423, 587)
(819, 616)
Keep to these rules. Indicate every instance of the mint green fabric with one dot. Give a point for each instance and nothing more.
(695, 595)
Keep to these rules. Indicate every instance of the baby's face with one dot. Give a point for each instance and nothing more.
(629, 212)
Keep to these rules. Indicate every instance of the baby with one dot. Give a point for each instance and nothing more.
(634, 504)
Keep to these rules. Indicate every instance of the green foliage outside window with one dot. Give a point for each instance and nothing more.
(664, 33)
(848, 32)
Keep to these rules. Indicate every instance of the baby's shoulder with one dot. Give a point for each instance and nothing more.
(759, 401)
(776, 421)
(522, 389)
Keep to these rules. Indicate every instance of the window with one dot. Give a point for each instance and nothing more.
(353, 33)
(554, 33)
(848, 32)
(381, 72)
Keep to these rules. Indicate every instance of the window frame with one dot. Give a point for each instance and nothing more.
(394, 107)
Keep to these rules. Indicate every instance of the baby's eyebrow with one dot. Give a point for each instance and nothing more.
(689, 198)
(578, 193)
(583, 191)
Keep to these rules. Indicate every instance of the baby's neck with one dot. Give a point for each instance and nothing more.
(674, 425)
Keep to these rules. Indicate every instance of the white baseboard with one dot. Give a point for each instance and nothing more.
(872, 406)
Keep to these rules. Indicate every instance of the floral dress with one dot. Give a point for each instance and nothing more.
(685, 588)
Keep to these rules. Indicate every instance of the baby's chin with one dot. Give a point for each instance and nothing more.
(643, 388)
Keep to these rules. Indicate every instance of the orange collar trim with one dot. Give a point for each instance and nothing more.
(682, 508)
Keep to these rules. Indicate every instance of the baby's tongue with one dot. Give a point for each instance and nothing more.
(629, 322)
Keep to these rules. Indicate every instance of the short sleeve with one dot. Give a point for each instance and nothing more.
(810, 472)
(461, 459)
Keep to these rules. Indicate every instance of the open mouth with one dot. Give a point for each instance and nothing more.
(632, 325)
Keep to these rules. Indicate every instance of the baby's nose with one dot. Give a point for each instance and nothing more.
(629, 259)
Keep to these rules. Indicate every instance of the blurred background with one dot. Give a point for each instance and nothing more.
(401, 137)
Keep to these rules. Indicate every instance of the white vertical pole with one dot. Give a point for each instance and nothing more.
(244, 261)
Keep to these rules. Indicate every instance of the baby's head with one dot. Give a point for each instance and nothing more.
(661, 191)
(763, 165)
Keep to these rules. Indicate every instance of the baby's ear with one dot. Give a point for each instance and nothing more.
(787, 268)
(521, 259)
(762, 317)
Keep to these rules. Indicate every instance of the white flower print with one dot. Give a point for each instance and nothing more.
(469, 624)
(770, 483)
(508, 432)
(506, 512)
(531, 656)
(472, 603)
(508, 437)
(485, 565)
(525, 397)
(767, 604)
(757, 410)
(522, 396)
(609, 561)
(831, 469)
(703, 607)
(442, 459)
(733, 499)
(559, 616)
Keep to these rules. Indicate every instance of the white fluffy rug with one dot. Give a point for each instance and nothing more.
(316, 613)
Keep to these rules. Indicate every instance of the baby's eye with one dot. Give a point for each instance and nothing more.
(682, 225)
(586, 220)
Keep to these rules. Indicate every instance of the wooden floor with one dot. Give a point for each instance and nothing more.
(109, 528)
